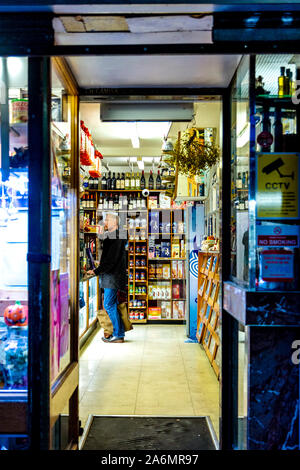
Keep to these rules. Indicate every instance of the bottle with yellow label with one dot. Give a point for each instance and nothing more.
(281, 82)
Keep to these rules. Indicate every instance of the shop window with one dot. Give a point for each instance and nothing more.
(240, 153)
(62, 198)
(13, 228)
(277, 173)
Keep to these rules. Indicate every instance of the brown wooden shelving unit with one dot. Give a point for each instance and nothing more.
(208, 313)
(171, 214)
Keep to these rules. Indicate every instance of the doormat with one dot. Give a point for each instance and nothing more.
(148, 433)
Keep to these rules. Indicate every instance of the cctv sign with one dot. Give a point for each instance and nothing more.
(277, 188)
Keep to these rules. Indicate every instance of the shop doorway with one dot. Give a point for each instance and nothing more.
(173, 293)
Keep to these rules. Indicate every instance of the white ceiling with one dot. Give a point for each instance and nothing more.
(113, 138)
(154, 71)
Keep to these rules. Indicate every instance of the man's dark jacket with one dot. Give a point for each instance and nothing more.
(112, 268)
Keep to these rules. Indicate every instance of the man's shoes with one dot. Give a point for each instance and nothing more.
(113, 339)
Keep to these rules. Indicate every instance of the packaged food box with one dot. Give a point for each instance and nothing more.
(180, 269)
(152, 202)
(181, 309)
(176, 290)
(159, 271)
(166, 310)
(175, 249)
(174, 269)
(166, 271)
(154, 313)
(19, 111)
(164, 201)
(182, 249)
(152, 271)
(153, 222)
(165, 249)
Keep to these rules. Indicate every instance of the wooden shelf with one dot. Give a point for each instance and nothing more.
(136, 308)
(208, 310)
(166, 259)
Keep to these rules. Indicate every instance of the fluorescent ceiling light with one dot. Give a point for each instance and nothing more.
(135, 141)
(14, 65)
(140, 164)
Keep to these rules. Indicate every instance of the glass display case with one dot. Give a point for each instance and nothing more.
(88, 303)
(93, 299)
(240, 153)
(13, 226)
(83, 296)
(277, 174)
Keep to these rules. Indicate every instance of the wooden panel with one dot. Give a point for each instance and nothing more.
(13, 418)
(65, 388)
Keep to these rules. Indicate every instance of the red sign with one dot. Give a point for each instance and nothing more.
(277, 265)
(277, 240)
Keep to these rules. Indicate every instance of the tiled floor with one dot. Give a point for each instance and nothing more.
(155, 372)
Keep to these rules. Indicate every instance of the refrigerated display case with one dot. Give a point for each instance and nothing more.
(13, 250)
(13, 226)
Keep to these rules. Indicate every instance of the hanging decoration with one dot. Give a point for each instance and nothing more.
(193, 153)
(89, 155)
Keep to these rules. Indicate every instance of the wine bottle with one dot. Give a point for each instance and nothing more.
(118, 182)
(281, 82)
(103, 182)
(143, 181)
(125, 202)
(246, 180)
(127, 182)
(239, 181)
(137, 181)
(122, 182)
(100, 202)
(138, 202)
(132, 182)
(113, 181)
(151, 181)
(121, 202)
(116, 202)
(110, 202)
(105, 202)
(130, 203)
(158, 181)
(108, 181)
(287, 82)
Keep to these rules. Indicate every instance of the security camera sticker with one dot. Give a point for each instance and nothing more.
(277, 194)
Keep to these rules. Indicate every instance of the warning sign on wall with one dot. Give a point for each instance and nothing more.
(277, 189)
(277, 265)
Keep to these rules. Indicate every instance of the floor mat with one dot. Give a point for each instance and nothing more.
(148, 433)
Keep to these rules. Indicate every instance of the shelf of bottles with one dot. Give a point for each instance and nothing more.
(156, 241)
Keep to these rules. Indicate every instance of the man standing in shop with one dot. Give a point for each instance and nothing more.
(112, 274)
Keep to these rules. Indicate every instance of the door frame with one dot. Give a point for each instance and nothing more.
(39, 269)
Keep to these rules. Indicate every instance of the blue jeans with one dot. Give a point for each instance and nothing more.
(111, 306)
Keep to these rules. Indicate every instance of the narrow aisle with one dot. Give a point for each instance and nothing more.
(153, 373)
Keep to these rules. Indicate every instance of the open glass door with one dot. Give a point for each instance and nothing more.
(63, 273)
